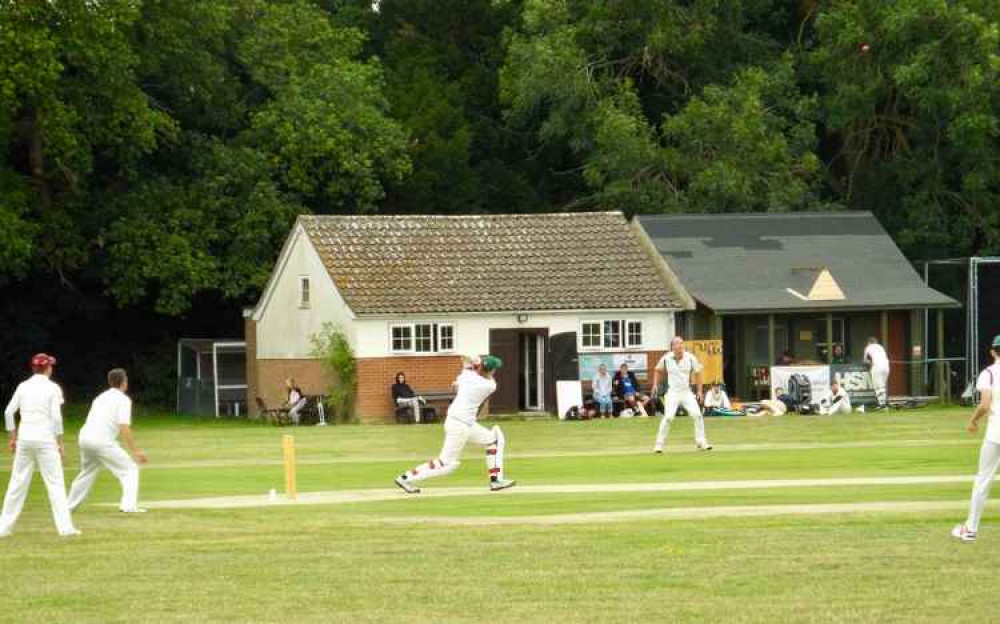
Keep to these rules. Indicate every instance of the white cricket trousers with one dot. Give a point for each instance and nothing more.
(46, 456)
(115, 459)
(989, 460)
(456, 434)
(687, 400)
(880, 383)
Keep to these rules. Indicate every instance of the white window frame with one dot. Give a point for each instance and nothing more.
(435, 337)
(625, 343)
(305, 292)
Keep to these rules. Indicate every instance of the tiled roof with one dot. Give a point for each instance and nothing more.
(489, 263)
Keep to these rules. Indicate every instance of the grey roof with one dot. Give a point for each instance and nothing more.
(491, 263)
(746, 263)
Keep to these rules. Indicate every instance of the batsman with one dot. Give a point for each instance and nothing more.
(473, 386)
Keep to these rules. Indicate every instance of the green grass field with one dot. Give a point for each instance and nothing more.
(639, 554)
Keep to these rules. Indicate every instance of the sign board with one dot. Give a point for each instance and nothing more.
(637, 363)
(568, 394)
(857, 382)
(819, 379)
(709, 354)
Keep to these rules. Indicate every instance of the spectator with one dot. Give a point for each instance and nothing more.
(404, 396)
(785, 359)
(716, 400)
(601, 389)
(838, 402)
(877, 361)
(626, 388)
(838, 354)
(296, 400)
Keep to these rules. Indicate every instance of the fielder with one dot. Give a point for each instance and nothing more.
(682, 370)
(38, 440)
(110, 415)
(878, 364)
(988, 386)
(839, 402)
(474, 385)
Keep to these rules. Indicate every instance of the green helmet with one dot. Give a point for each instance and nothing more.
(996, 341)
(491, 362)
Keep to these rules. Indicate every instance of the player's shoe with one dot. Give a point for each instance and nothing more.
(705, 447)
(136, 510)
(72, 533)
(406, 486)
(658, 449)
(5, 534)
(961, 532)
(502, 484)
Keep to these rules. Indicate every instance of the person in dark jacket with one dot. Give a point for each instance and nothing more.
(626, 388)
(404, 396)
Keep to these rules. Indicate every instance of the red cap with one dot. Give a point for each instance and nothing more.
(41, 361)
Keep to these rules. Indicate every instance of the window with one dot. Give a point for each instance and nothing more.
(634, 334)
(422, 337)
(611, 334)
(446, 338)
(590, 335)
(402, 338)
(303, 292)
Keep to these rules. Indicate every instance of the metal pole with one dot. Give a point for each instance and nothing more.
(940, 354)
(770, 340)
(829, 338)
(927, 320)
(215, 376)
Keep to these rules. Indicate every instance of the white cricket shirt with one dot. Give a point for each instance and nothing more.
(109, 410)
(39, 400)
(717, 399)
(679, 373)
(989, 379)
(876, 353)
(473, 389)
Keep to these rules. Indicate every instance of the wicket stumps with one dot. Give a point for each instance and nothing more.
(288, 451)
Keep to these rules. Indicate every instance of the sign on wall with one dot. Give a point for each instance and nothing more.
(637, 363)
(709, 354)
(857, 382)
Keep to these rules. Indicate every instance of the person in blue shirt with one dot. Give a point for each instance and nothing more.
(626, 388)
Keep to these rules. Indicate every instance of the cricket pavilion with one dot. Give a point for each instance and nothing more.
(415, 293)
(814, 285)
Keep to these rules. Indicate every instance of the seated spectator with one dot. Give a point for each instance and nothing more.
(626, 388)
(838, 354)
(785, 359)
(601, 390)
(717, 402)
(296, 400)
(404, 396)
(838, 402)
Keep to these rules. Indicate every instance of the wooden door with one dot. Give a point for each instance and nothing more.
(505, 344)
(898, 348)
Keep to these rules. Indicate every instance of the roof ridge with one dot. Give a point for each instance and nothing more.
(466, 216)
(853, 214)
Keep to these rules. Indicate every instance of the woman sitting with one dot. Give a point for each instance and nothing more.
(403, 396)
(296, 400)
(626, 388)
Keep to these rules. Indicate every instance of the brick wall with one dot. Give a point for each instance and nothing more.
(250, 336)
(376, 376)
(271, 376)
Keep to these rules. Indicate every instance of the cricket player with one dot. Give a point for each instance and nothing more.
(37, 441)
(878, 365)
(474, 385)
(988, 386)
(110, 415)
(839, 402)
(682, 369)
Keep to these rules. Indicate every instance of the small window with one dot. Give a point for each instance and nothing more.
(304, 292)
(590, 335)
(634, 334)
(423, 341)
(402, 338)
(446, 338)
(612, 334)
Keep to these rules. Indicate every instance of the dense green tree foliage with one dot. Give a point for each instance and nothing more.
(154, 153)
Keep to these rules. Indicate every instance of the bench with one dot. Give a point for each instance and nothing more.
(312, 413)
(404, 414)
